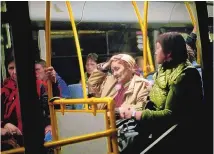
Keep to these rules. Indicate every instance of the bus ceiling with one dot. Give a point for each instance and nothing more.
(168, 14)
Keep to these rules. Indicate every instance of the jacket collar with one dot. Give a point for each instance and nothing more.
(134, 80)
(10, 84)
(112, 83)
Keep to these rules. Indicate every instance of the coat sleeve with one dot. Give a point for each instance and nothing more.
(141, 98)
(64, 91)
(95, 82)
(140, 101)
(183, 93)
(165, 114)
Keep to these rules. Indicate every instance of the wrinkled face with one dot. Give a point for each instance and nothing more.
(121, 72)
(159, 54)
(40, 72)
(12, 70)
(91, 65)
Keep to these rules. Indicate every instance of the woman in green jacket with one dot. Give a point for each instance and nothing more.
(176, 95)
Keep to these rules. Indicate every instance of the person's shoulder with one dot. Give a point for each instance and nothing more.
(110, 77)
(140, 78)
(188, 75)
(5, 82)
(9, 83)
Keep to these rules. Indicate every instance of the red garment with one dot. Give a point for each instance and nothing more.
(39, 84)
(119, 98)
(10, 105)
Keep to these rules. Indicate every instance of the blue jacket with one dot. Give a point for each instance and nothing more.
(63, 87)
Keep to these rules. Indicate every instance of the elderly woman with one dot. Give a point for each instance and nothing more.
(127, 88)
(175, 95)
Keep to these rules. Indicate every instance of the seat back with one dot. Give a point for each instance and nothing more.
(76, 92)
(73, 124)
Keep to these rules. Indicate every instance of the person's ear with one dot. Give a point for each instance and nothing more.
(168, 57)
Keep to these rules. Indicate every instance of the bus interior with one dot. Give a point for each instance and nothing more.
(104, 28)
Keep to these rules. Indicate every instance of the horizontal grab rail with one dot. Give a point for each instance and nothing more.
(83, 101)
(70, 140)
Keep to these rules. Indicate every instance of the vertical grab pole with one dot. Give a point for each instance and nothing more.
(48, 61)
(194, 24)
(148, 48)
(142, 30)
(152, 68)
(112, 119)
(145, 9)
(78, 49)
(146, 4)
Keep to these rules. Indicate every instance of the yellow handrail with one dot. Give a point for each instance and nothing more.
(147, 44)
(194, 23)
(79, 54)
(91, 101)
(70, 140)
(146, 3)
(94, 102)
(111, 131)
(48, 61)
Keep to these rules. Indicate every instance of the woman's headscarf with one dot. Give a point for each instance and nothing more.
(128, 59)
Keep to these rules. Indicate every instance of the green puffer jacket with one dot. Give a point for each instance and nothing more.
(174, 95)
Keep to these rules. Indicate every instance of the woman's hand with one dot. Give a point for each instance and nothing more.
(51, 74)
(108, 63)
(12, 129)
(127, 113)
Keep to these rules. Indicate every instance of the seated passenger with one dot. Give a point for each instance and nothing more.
(11, 121)
(127, 88)
(59, 87)
(175, 97)
(42, 72)
(91, 65)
